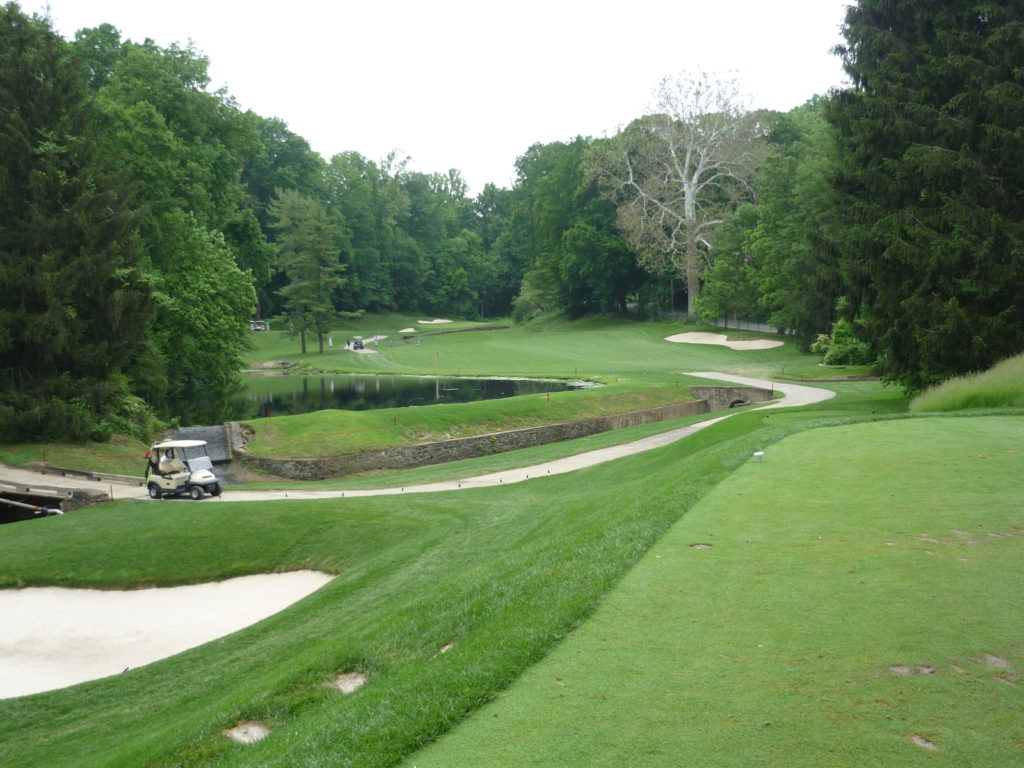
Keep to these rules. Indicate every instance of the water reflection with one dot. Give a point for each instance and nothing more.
(287, 395)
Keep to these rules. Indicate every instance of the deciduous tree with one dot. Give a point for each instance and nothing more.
(678, 172)
(76, 305)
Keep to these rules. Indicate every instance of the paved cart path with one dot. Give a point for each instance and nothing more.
(793, 395)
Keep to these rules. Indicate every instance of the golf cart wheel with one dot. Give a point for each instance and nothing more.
(196, 492)
(154, 491)
(215, 489)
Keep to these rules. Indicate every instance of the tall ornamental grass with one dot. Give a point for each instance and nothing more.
(1002, 386)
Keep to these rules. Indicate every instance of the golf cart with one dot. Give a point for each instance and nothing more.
(174, 467)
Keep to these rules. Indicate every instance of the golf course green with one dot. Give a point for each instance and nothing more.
(849, 600)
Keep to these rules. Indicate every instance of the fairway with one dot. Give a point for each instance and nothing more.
(839, 611)
(500, 578)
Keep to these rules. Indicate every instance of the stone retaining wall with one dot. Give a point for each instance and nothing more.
(408, 456)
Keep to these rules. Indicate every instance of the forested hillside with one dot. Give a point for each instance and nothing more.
(145, 219)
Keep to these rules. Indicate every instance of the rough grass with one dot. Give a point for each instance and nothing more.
(851, 603)
(122, 455)
(482, 465)
(1002, 386)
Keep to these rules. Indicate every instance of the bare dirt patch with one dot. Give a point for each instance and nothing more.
(722, 340)
(1000, 662)
(922, 742)
(906, 670)
(349, 682)
(247, 733)
(443, 649)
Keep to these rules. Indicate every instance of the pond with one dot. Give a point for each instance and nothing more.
(277, 395)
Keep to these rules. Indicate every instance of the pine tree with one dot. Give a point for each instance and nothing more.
(311, 241)
(75, 305)
(930, 182)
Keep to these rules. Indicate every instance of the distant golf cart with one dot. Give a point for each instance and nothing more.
(174, 467)
(357, 342)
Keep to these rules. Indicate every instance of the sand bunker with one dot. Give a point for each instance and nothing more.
(431, 322)
(722, 340)
(54, 637)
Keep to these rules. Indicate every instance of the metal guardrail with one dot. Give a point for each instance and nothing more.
(35, 490)
(104, 477)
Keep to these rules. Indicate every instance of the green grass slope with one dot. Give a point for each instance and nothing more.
(857, 606)
(503, 574)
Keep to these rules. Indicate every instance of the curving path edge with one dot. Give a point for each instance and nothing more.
(794, 395)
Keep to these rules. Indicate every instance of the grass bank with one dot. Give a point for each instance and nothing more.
(121, 455)
(336, 432)
(846, 602)
(503, 574)
(850, 399)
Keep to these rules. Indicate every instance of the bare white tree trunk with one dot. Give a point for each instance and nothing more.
(676, 173)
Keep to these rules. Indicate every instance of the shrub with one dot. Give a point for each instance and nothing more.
(842, 347)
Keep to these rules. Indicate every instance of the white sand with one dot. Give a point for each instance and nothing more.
(52, 637)
(431, 322)
(408, 330)
(722, 340)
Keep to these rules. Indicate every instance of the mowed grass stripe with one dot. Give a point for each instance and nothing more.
(859, 605)
(503, 573)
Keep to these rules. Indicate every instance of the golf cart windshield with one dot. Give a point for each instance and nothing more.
(196, 457)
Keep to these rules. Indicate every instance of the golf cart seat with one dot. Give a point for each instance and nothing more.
(172, 467)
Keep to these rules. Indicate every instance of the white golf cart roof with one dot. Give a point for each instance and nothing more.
(179, 444)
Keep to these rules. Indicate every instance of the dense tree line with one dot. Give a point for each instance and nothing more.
(145, 219)
(930, 182)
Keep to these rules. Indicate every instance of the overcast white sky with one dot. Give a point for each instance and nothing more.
(471, 84)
